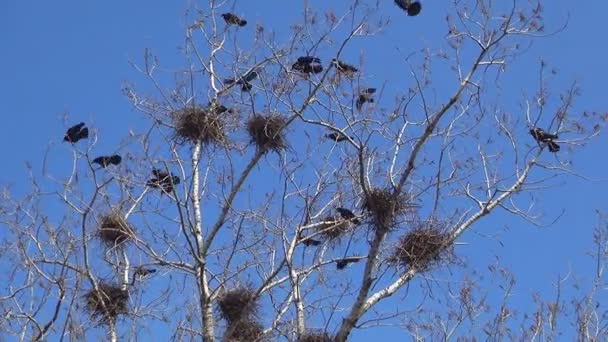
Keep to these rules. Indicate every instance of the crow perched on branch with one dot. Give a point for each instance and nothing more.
(344, 67)
(342, 263)
(244, 81)
(336, 136)
(543, 137)
(366, 95)
(104, 161)
(308, 241)
(233, 19)
(347, 214)
(163, 180)
(412, 8)
(308, 65)
(76, 132)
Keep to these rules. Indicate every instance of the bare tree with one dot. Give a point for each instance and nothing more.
(276, 194)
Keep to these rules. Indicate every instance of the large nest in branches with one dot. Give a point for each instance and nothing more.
(244, 331)
(422, 247)
(199, 124)
(332, 227)
(267, 131)
(385, 207)
(114, 230)
(315, 336)
(238, 304)
(107, 302)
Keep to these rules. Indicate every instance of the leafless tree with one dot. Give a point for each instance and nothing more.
(222, 220)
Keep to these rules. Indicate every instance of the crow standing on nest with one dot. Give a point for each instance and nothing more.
(308, 65)
(233, 19)
(104, 161)
(344, 67)
(244, 81)
(76, 132)
(543, 137)
(336, 136)
(411, 7)
(347, 214)
(163, 180)
(366, 95)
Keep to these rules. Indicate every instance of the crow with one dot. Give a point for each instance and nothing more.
(553, 146)
(543, 137)
(233, 19)
(366, 95)
(104, 161)
(309, 60)
(309, 241)
(336, 136)
(141, 272)
(348, 215)
(76, 132)
(343, 67)
(243, 81)
(342, 263)
(308, 65)
(412, 8)
(163, 180)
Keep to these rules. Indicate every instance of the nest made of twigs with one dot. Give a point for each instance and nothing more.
(332, 227)
(267, 131)
(238, 304)
(244, 331)
(107, 302)
(114, 230)
(422, 247)
(199, 124)
(385, 207)
(315, 336)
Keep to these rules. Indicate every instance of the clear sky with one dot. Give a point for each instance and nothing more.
(72, 57)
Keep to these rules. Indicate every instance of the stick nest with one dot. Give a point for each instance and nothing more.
(244, 331)
(195, 124)
(332, 227)
(238, 304)
(107, 303)
(385, 207)
(114, 230)
(422, 247)
(315, 336)
(267, 131)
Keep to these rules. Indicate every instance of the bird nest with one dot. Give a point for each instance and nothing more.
(422, 247)
(266, 131)
(385, 207)
(195, 124)
(244, 331)
(331, 228)
(238, 304)
(315, 336)
(107, 302)
(114, 230)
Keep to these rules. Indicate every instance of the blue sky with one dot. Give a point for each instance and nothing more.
(72, 57)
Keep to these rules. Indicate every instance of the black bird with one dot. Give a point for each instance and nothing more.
(348, 215)
(233, 19)
(344, 67)
(104, 161)
(309, 60)
(543, 137)
(342, 263)
(366, 95)
(309, 241)
(553, 146)
(163, 180)
(336, 136)
(76, 132)
(308, 65)
(244, 81)
(141, 272)
(412, 8)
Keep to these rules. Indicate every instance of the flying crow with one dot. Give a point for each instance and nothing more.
(76, 132)
(336, 136)
(308, 65)
(411, 7)
(342, 263)
(233, 19)
(343, 67)
(243, 81)
(348, 215)
(543, 137)
(366, 95)
(163, 180)
(104, 161)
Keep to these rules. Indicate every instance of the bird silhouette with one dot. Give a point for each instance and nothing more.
(544, 137)
(76, 132)
(163, 180)
(347, 214)
(412, 8)
(344, 67)
(308, 65)
(342, 263)
(244, 81)
(233, 19)
(104, 161)
(336, 136)
(308, 241)
(366, 95)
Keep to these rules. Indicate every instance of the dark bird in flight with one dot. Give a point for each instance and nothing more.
(412, 8)
(366, 95)
(243, 81)
(233, 19)
(76, 132)
(543, 137)
(104, 161)
(344, 67)
(336, 136)
(348, 215)
(308, 65)
(140, 271)
(342, 263)
(163, 180)
(309, 241)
